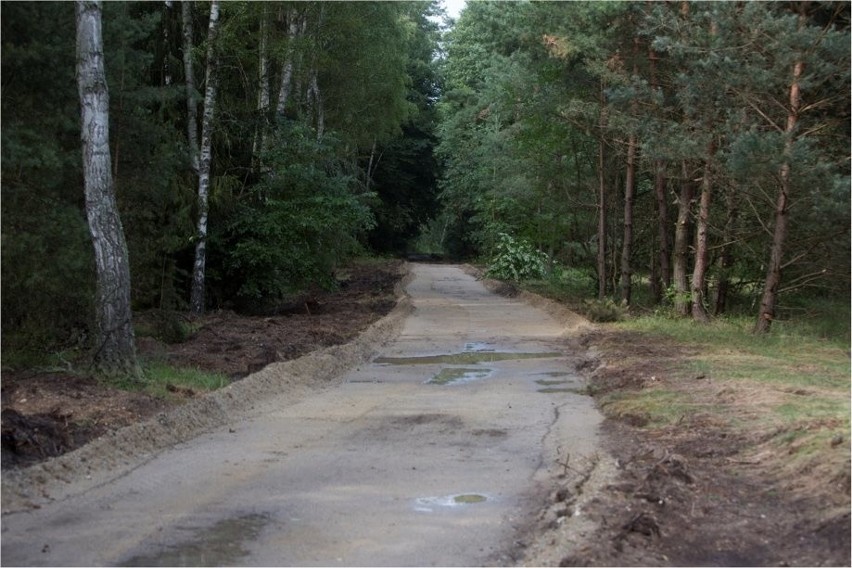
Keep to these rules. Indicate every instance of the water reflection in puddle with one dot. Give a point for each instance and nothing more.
(466, 358)
(456, 375)
(429, 504)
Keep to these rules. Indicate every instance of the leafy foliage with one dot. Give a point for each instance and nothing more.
(542, 98)
(517, 259)
(279, 223)
(296, 225)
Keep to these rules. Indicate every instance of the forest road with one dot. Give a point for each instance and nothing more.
(435, 453)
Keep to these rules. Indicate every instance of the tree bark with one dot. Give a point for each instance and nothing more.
(293, 32)
(115, 351)
(263, 97)
(699, 272)
(664, 278)
(680, 259)
(602, 221)
(191, 99)
(664, 253)
(779, 235)
(627, 241)
(629, 195)
(726, 257)
(197, 295)
(315, 104)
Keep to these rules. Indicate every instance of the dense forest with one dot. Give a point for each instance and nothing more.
(687, 155)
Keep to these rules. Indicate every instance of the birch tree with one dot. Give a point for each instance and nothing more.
(263, 95)
(189, 73)
(115, 351)
(205, 158)
(295, 27)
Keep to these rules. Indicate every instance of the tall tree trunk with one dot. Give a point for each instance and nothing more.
(627, 241)
(726, 257)
(262, 90)
(196, 301)
(602, 221)
(294, 26)
(699, 272)
(371, 167)
(664, 279)
(315, 103)
(115, 353)
(629, 196)
(773, 273)
(662, 207)
(680, 261)
(191, 99)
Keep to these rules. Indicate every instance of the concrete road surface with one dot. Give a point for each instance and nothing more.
(435, 453)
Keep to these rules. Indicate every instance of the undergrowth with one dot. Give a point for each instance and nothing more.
(788, 390)
(168, 382)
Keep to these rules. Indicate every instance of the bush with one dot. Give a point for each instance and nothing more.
(164, 325)
(516, 260)
(603, 310)
(294, 227)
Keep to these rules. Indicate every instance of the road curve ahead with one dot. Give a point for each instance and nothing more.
(433, 454)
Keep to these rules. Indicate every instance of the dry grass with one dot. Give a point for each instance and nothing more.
(787, 399)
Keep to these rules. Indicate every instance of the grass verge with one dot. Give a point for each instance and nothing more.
(787, 395)
(175, 383)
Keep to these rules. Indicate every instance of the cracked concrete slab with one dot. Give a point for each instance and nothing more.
(388, 468)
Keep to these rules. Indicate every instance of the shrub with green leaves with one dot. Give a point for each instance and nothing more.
(603, 310)
(516, 260)
(297, 224)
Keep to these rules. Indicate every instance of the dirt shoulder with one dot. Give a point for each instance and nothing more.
(48, 413)
(701, 492)
(692, 493)
(696, 493)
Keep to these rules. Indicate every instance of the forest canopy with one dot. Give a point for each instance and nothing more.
(694, 153)
(689, 155)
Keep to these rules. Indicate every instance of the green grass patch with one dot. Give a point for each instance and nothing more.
(164, 381)
(793, 384)
(652, 406)
(790, 387)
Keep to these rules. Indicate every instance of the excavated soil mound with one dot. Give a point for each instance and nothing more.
(61, 427)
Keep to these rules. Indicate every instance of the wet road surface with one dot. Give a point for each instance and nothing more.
(436, 453)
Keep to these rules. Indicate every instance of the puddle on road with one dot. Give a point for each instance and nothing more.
(547, 383)
(574, 390)
(455, 375)
(556, 374)
(429, 504)
(479, 347)
(469, 498)
(552, 386)
(221, 544)
(466, 358)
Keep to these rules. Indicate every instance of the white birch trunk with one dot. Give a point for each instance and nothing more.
(191, 102)
(287, 68)
(263, 89)
(115, 353)
(315, 101)
(197, 295)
